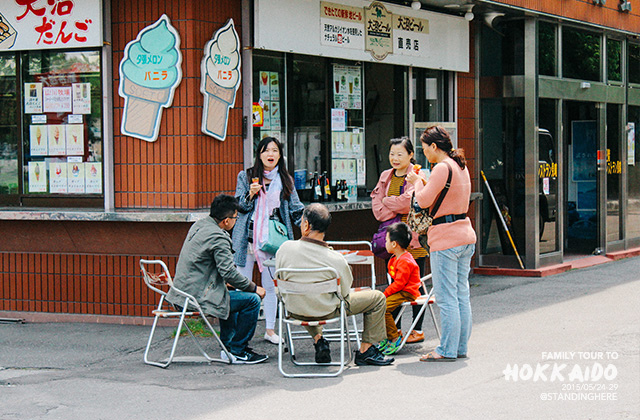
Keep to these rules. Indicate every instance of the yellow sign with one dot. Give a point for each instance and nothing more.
(257, 115)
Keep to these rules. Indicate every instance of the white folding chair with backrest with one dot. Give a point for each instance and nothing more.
(290, 286)
(157, 278)
(355, 256)
(424, 301)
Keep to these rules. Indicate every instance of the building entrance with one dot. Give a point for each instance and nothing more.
(581, 180)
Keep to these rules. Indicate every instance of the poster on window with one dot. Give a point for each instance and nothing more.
(58, 177)
(38, 142)
(57, 140)
(57, 99)
(274, 86)
(265, 87)
(275, 116)
(75, 139)
(37, 177)
(93, 177)
(33, 98)
(266, 115)
(340, 87)
(81, 98)
(354, 84)
(76, 180)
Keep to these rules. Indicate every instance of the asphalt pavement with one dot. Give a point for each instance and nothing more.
(559, 347)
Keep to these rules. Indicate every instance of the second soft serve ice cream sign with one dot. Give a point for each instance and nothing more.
(220, 79)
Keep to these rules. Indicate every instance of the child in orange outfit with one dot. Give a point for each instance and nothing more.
(405, 273)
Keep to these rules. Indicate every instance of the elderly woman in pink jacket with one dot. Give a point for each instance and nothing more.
(391, 199)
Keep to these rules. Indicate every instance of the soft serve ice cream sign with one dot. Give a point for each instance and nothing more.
(149, 74)
(220, 79)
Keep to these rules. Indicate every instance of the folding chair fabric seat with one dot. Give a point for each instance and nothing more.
(285, 322)
(162, 279)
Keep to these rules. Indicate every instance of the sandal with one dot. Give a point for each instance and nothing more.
(435, 357)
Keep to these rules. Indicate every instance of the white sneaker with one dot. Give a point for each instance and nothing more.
(224, 357)
(273, 339)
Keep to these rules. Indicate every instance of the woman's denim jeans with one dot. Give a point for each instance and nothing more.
(450, 275)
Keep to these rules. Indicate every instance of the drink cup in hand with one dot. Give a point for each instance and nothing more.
(255, 180)
(416, 169)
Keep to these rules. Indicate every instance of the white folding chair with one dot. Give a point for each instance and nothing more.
(156, 276)
(290, 286)
(425, 301)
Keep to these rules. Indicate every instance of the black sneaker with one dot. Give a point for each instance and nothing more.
(373, 357)
(247, 357)
(323, 352)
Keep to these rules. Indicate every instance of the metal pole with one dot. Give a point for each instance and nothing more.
(504, 224)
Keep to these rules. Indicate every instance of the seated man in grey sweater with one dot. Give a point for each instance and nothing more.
(204, 269)
(312, 252)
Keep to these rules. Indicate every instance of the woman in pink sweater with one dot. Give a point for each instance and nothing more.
(451, 240)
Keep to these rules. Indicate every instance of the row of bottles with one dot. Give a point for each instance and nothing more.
(321, 189)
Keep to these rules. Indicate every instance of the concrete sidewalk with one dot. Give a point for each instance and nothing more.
(552, 328)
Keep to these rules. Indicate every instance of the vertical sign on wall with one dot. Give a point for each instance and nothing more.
(220, 79)
(149, 74)
(378, 29)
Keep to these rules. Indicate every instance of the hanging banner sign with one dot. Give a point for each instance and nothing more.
(47, 24)
(220, 69)
(150, 71)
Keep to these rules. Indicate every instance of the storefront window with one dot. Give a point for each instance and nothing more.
(8, 127)
(547, 48)
(634, 63)
(614, 68)
(62, 138)
(581, 54)
(336, 117)
(633, 174)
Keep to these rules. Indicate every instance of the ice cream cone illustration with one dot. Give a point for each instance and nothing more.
(149, 74)
(37, 172)
(56, 134)
(220, 79)
(38, 135)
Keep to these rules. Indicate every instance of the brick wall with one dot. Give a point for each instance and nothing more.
(183, 168)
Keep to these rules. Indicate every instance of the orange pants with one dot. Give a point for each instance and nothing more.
(393, 302)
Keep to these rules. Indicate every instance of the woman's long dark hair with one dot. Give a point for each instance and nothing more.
(257, 170)
(406, 142)
(440, 136)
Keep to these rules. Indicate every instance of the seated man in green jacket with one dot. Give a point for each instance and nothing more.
(205, 266)
(312, 252)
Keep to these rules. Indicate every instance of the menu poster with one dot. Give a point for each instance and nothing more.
(37, 177)
(265, 88)
(354, 81)
(361, 171)
(275, 116)
(340, 87)
(76, 179)
(93, 177)
(266, 115)
(81, 98)
(58, 177)
(38, 135)
(274, 86)
(57, 142)
(75, 139)
(338, 119)
(57, 99)
(33, 98)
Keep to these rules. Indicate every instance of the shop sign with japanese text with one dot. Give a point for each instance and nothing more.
(364, 31)
(50, 24)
